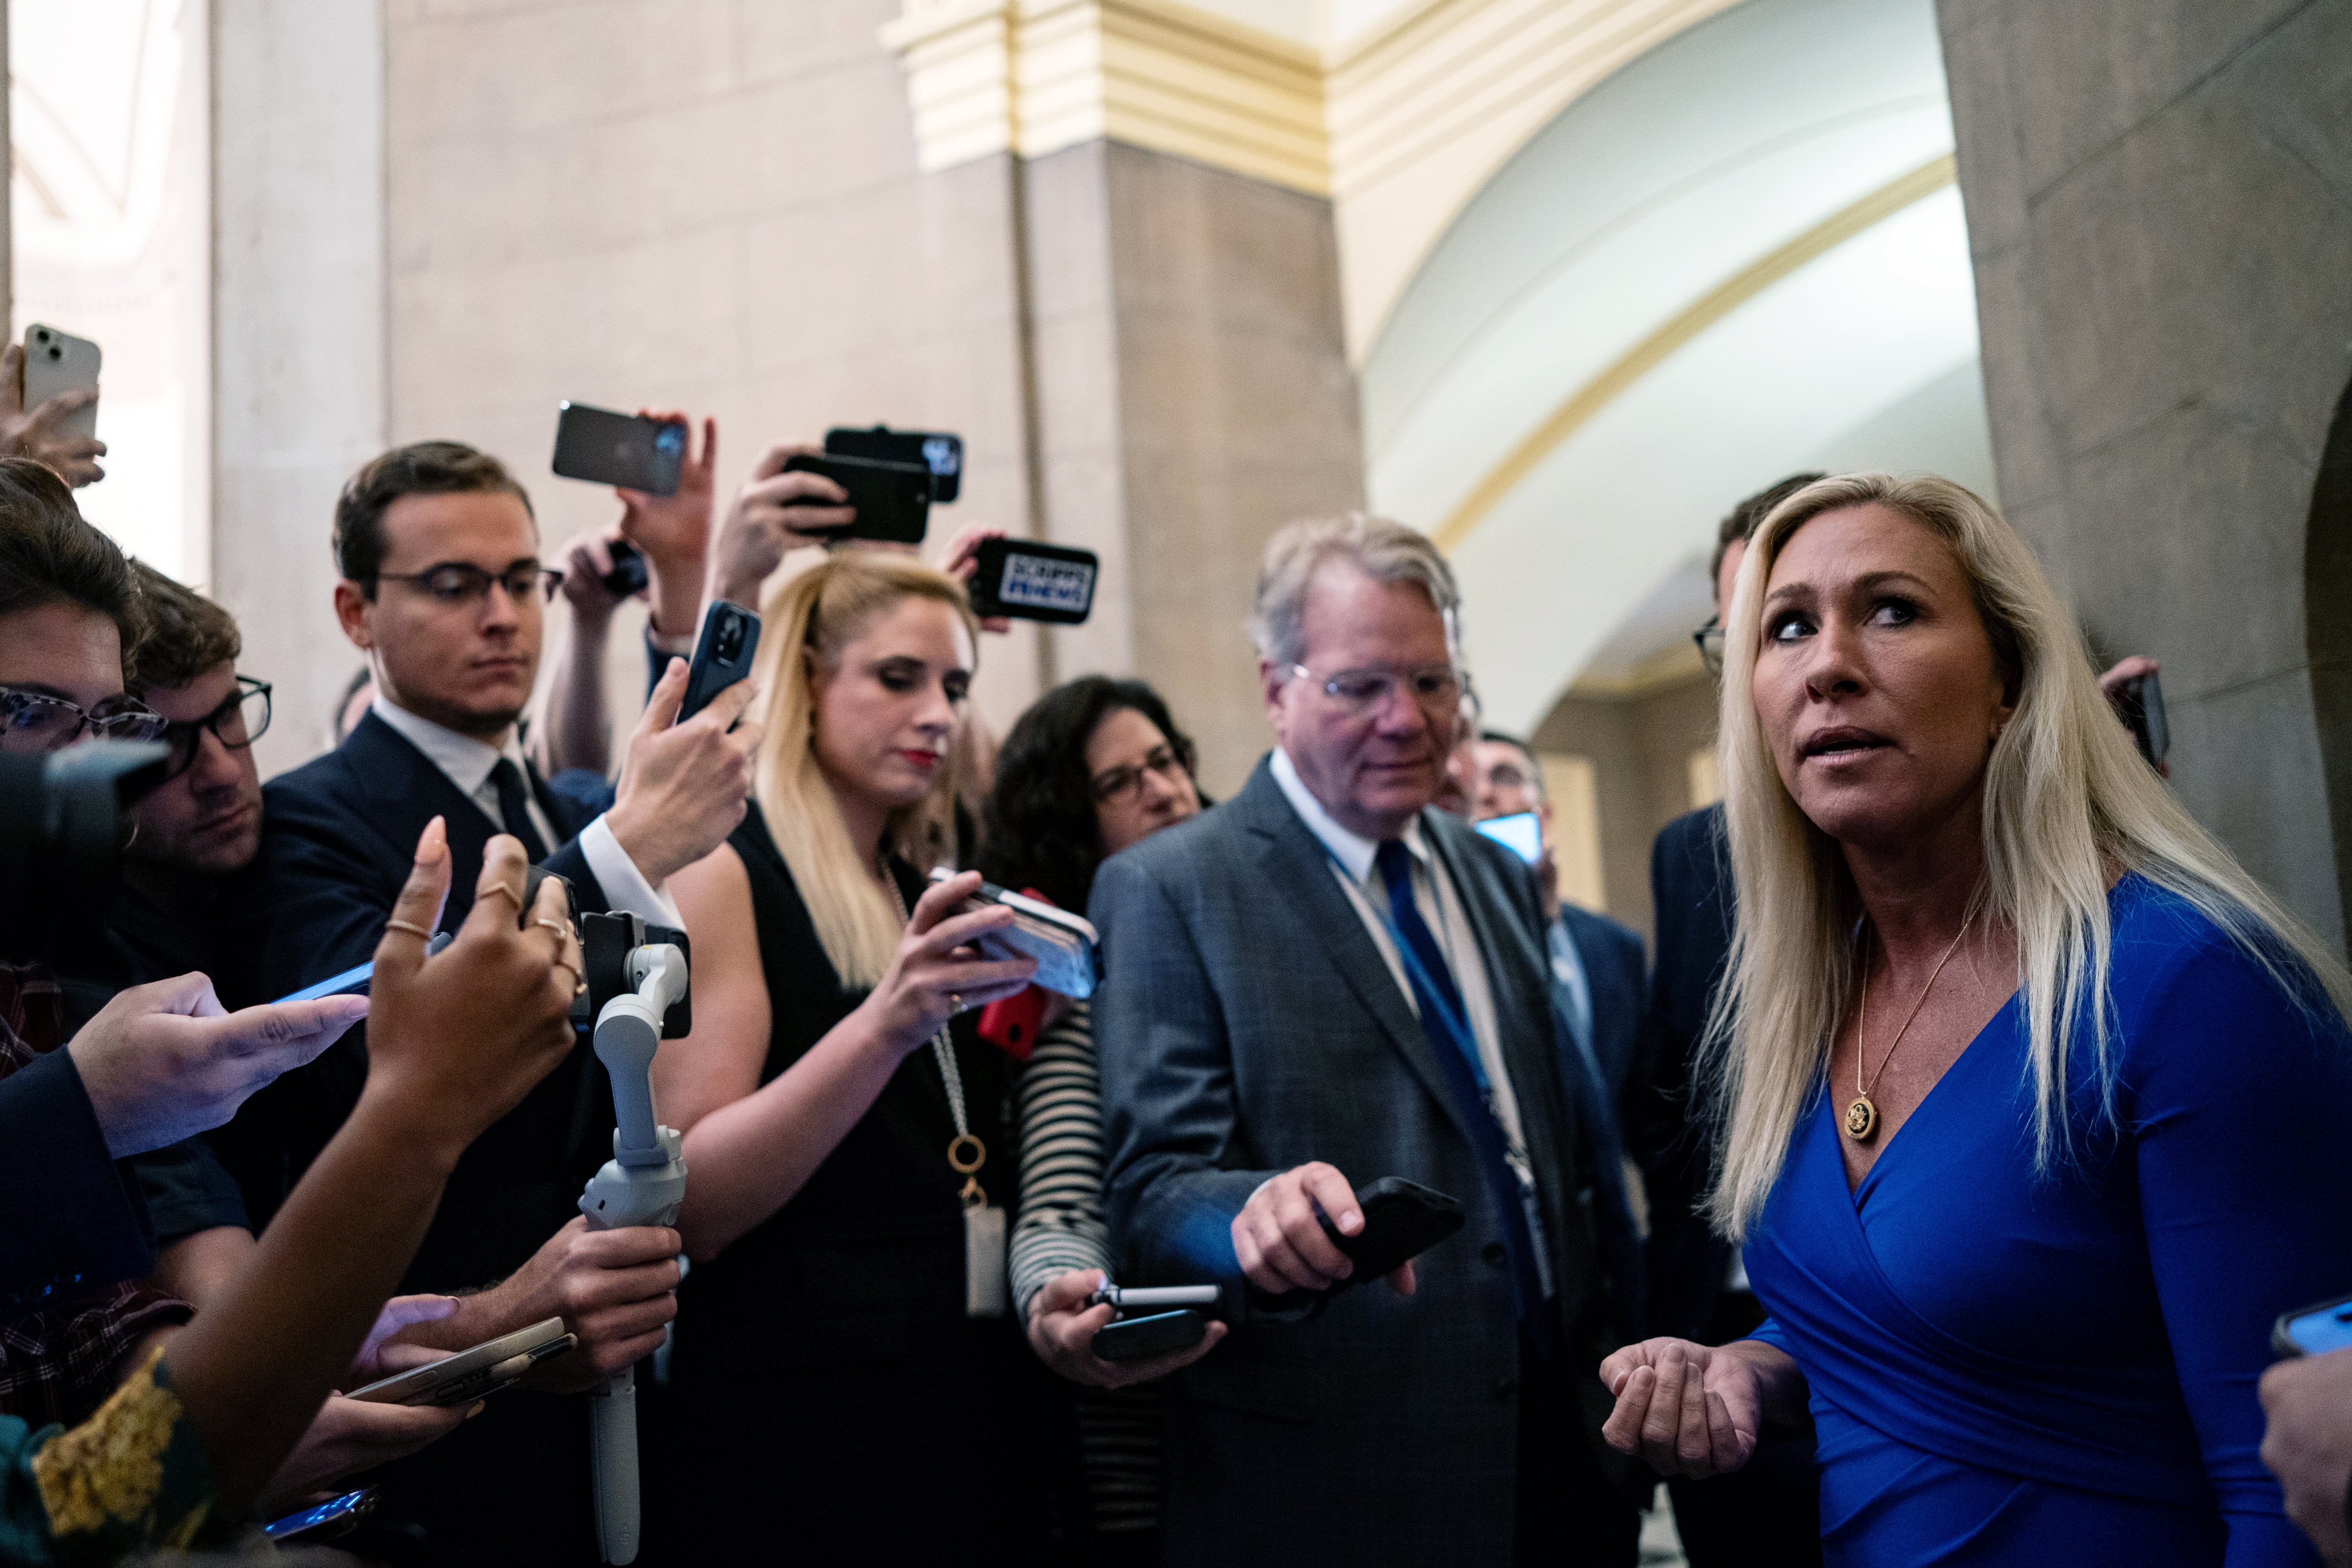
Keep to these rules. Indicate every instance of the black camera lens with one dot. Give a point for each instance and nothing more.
(731, 641)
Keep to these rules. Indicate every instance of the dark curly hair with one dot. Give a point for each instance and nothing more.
(49, 556)
(1039, 830)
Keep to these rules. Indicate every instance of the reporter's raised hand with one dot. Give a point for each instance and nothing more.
(962, 564)
(457, 1039)
(1687, 1409)
(936, 973)
(683, 784)
(586, 563)
(165, 1062)
(35, 433)
(1063, 1325)
(2308, 1445)
(765, 522)
(1282, 1245)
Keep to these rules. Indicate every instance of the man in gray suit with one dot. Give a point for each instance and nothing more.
(1320, 983)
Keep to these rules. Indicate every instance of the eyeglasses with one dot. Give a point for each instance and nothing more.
(1710, 639)
(33, 721)
(241, 719)
(1436, 688)
(1126, 783)
(455, 582)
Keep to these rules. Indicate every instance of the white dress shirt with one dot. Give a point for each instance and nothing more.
(468, 762)
(1351, 859)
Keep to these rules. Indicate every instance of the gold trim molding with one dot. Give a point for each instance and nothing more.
(1717, 303)
(1032, 77)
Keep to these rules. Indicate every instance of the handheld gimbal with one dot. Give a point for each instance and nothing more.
(637, 992)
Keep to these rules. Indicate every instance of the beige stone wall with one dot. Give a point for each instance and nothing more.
(2159, 201)
(1639, 746)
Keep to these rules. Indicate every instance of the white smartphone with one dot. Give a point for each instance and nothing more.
(467, 1376)
(58, 362)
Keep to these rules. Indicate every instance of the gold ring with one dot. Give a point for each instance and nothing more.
(558, 927)
(512, 897)
(955, 1003)
(579, 984)
(411, 927)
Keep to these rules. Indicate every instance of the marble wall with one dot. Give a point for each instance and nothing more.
(2160, 203)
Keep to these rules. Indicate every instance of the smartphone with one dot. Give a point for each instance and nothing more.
(58, 362)
(2313, 1331)
(1035, 582)
(467, 1376)
(628, 574)
(1402, 1220)
(2140, 700)
(336, 1516)
(893, 499)
(937, 450)
(623, 449)
(1065, 946)
(721, 658)
(355, 981)
(1521, 833)
(1012, 1023)
(1138, 1338)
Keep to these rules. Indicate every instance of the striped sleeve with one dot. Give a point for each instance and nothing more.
(1060, 1225)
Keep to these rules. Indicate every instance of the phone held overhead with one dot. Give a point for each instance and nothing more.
(626, 450)
(57, 363)
(1033, 581)
(892, 501)
(936, 450)
(1065, 945)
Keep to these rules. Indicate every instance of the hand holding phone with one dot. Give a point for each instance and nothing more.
(778, 509)
(892, 502)
(629, 452)
(1033, 581)
(48, 404)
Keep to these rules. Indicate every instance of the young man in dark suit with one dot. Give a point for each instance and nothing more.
(1321, 983)
(444, 591)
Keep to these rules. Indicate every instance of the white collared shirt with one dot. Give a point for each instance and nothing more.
(467, 763)
(1352, 861)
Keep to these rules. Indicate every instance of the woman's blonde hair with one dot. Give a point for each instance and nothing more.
(821, 610)
(2069, 805)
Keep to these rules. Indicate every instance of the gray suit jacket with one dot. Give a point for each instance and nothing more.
(1247, 1023)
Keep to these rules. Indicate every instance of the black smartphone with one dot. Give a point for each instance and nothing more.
(325, 1522)
(2141, 702)
(1402, 1220)
(937, 450)
(893, 499)
(723, 656)
(623, 449)
(1140, 1339)
(1035, 582)
(628, 574)
(2313, 1331)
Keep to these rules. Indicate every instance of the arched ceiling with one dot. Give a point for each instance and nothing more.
(1740, 255)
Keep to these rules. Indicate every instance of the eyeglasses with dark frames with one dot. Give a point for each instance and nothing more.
(459, 583)
(1120, 784)
(1710, 639)
(36, 722)
(242, 718)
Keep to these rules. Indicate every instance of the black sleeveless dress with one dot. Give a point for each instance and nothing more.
(829, 1400)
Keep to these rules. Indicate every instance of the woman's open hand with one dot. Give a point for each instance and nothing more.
(1688, 1409)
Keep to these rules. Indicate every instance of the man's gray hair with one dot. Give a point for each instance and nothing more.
(1384, 551)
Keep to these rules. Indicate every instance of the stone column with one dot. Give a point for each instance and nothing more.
(2159, 201)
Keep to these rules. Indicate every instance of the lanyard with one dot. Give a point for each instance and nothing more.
(966, 1154)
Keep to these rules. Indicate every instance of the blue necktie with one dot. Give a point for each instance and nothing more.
(513, 806)
(1447, 1024)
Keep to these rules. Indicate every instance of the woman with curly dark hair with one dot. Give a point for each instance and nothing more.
(1092, 767)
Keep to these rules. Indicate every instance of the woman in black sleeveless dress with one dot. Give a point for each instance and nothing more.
(837, 1395)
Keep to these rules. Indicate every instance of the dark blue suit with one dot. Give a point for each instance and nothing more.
(339, 838)
(70, 1217)
(1611, 956)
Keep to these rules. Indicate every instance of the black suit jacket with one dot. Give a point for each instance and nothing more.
(1691, 889)
(338, 836)
(1247, 1025)
(1610, 955)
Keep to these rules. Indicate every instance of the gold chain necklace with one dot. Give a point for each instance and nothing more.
(1861, 1116)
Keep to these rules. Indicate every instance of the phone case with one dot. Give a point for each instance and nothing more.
(1402, 1220)
(58, 362)
(1035, 582)
(1138, 1338)
(2314, 1329)
(607, 448)
(628, 574)
(722, 656)
(937, 450)
(465, 1377)
(893, 500)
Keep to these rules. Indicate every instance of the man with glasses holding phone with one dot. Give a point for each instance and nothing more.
(1322, 982)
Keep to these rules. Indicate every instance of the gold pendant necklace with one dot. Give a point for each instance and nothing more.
(1861, 1116)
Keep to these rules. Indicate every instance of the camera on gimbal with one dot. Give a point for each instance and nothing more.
(61, 837)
